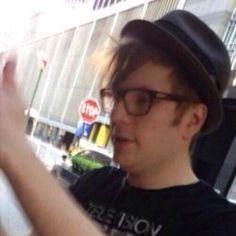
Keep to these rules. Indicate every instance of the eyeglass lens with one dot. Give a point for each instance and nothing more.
(136, 102)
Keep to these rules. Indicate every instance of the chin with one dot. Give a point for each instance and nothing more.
(117, 158)
(123, 161)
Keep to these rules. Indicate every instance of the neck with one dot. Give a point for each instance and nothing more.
(176, 172)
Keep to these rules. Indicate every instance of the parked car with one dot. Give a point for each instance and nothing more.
(89, 159)
(68, 174)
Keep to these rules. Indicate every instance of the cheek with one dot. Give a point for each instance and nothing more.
(153, 133)
(148, 133)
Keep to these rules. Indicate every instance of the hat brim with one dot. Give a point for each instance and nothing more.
(159, 37)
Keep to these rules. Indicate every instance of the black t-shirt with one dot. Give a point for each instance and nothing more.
(123, 210)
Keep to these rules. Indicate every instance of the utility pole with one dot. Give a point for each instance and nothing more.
(42, 63)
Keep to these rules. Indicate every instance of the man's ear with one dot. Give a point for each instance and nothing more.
(194, 119)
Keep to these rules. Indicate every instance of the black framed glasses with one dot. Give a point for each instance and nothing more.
(137, 101)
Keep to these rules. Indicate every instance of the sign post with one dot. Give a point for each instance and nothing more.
(42, 60)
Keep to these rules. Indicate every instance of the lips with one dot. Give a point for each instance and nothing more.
(121, 139)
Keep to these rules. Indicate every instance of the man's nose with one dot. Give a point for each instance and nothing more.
(119, 113)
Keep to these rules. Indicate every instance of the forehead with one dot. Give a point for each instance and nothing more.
(149, 75)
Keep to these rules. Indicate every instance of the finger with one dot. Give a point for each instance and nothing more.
(8, 73)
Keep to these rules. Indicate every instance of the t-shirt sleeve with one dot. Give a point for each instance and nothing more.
(92, 182)
(85, 182)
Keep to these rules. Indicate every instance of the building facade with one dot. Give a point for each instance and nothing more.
(75, 59)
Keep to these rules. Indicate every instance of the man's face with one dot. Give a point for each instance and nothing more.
(149, 141)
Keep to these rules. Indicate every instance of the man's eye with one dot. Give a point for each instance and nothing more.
(142, 100)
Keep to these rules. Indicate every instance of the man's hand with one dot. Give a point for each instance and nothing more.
(51, 210)
(12, 133)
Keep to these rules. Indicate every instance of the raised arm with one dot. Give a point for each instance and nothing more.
(49, 207)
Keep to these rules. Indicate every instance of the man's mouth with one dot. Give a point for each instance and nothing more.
(121, 139)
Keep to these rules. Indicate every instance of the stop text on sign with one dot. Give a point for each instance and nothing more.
(89, 110)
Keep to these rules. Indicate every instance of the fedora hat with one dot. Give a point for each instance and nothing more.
(198, 50)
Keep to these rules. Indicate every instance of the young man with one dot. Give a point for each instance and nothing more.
(165, 89)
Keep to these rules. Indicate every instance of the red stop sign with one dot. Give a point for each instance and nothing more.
(89, 110)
